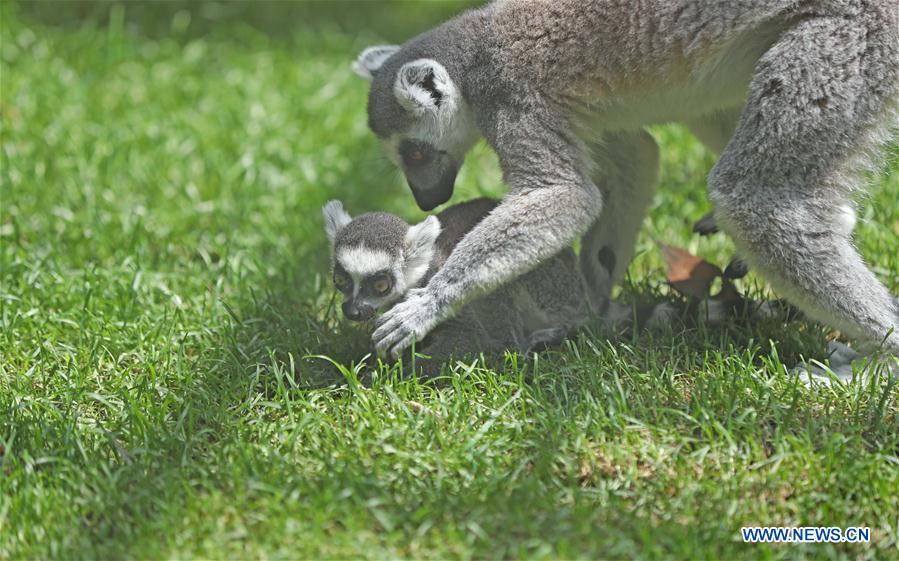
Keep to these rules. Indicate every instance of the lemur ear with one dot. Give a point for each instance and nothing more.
(370, 60)
(335, 219)
(419, 248)
(424, 86)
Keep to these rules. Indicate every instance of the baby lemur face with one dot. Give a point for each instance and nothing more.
(376, 257)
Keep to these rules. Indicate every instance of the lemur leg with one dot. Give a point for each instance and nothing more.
(436, 353)
(454, 338)
(716, 129)
(472, 333)
(543, 339)
(822, 96)
(627, 166)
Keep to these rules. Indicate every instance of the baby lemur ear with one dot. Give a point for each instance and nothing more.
(371, 59)
(335, 219)
(419, 248)
(424, 86)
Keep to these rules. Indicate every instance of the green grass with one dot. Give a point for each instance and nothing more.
(165, 302)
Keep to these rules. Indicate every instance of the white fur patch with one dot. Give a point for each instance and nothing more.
(412, 95)
(371, 59)
(449, 126)
(846, 219)
(335, 219)
(420, 241)
(361, 262)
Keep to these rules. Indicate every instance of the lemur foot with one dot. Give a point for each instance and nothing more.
(408, 321)
(843, 364)
(736, 269)
(542, 339)
(707, 225)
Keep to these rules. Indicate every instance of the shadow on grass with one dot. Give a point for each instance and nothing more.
(270, 336)
(278, 331)
(281, 330)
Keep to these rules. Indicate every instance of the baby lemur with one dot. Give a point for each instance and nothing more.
(377, 258)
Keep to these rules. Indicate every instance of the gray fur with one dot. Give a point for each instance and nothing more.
(797, 97)
(374, 230)
(534, 309)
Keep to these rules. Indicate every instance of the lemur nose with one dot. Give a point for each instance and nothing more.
(357, 312)
(351, 311)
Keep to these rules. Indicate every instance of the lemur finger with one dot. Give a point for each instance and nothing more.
(385, 343)
(395, 337)
(706, 225)
(383, 337)
(385, 324)
(382, 327)
(404, 344)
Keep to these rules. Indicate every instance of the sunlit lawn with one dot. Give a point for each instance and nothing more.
(168, 335)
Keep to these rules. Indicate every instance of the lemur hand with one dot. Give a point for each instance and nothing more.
(411, 319)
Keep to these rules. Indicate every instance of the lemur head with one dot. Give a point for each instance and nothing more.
(376, 257)
(421, 118)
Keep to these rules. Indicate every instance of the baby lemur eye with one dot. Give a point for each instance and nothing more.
(382, 286)
(342, 282)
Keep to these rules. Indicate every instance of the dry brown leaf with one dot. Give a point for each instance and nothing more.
(688, 274)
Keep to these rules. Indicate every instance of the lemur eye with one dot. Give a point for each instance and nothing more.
(415, 154)
(382, 286)
(414, 157)
(342, 282)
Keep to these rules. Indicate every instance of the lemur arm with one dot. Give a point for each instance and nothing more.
(550, 203)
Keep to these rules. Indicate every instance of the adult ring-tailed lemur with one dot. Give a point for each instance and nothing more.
(795, 95)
